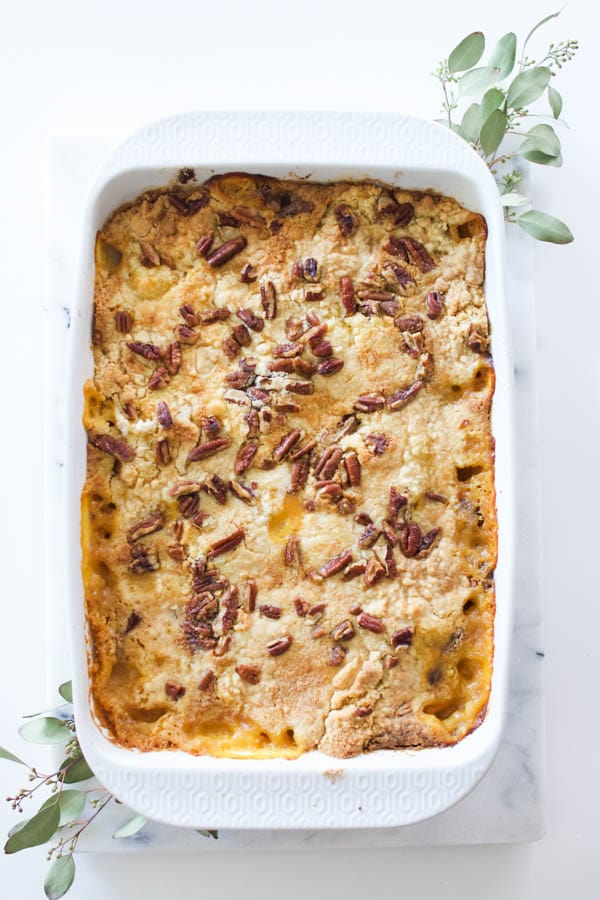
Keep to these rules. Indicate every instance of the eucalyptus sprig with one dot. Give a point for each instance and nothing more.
(498, 124)
(65, 814)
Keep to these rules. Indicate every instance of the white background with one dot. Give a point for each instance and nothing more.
(90, 67)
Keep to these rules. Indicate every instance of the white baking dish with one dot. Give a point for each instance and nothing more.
(384, 788)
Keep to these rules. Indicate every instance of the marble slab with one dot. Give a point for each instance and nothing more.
(506, 806)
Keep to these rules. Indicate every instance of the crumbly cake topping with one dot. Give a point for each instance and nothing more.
(288, 529)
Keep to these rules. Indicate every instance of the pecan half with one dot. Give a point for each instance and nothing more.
(255, 323)
(280, 645)
(346, 219)
(353, 468)
(299, 474)
(148, 351)
(354, 570)
(368, 537)
(268, 299)
(373, 294)
(226, 251)
(241, 334)
(395, 247)
(149, 256)
(304, 449)
(286, 444)
(224, 545)
(173, 358)
(188, 505)
(374, 572)
(410, 539)
(218, 314)
(206, 680)
(231, 604)
(205, 243)
(282, 365)
(176, 552)
(300, 387)
(159, 379)
(146, 526)
(301, 607)
(202, 451)
(245, 457)
(371, 623)
(418, 254)
(389, 307)
(113, 446)
(163, 414)
(434, 302)
(292, 555)
(412, 324)
(335, 564)
(328, 462)
(252, 420)
(123, 321)
(369, 403)
(217, 488)
(336, 657)
(185, 334)
(330, 366)
(163, 452)
(400, 213)
(331, 490)
(288, 350)
(347, 295)
(271, 612)
(323, 349)
(402, 396)
(427, 542)
(402, 638)
(343, 631)
(251, 674)
(242, 491)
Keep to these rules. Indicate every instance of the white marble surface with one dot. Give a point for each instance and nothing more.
(506, 805)
(68, 67)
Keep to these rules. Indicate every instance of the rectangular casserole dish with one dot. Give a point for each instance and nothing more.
(386, 787)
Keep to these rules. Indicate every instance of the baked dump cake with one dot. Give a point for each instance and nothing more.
(289, 529)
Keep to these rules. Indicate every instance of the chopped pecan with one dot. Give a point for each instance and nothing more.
(371, 623)
(123, 321)
(279, 645)
(368, 537)
(346, 506)
(185, 175)
(149, 256)
(205, 243)
(294, 329)
(346, 219)
(188, 505)
(113, 446)
(335, 564)
(347, 295)
(187, 206)
(292, 551)
(271, 612)
(397, 501)
(173, 690)
(288, 350)
(268, 298)
(206, 680)
(402, 638)
(245, 457)
(323, 349)
(330, 366)
(424, 370)
(390, 662)
(362, 712)
(477, 342)
(242, 491)
(176, 552)
(314, 335)
(354, 570)
(282, 365)
(369, 403)
(185, 334)
(248, 274)
(148, 351)
(239, 379)
(217, 488)
(173, 358)
(188, 314)
(315, 294)
(163, 452)
(163, 414)
(255, 323)
(390, 562)
(434, 302)
(310, 269)
(159, 379)
(378, 442)
(427, 541)
(373, 294)
(241, 334)
(410, 539)
(299, 474)
(389, 532)
(304, 449)
(130, 410)
(418, 254)
(363, 518)
(226, 220)
(412, 344)
(132, 622)
(143, 561)
(226, 251)
(231, 604)
(224, 545)
(343, 631)
(402, 396)
(331, 490)
(389, 307)
(300, 387)
(328, 462)
(437, 498)
(336, 657)
(412, 324)
(217, 314)
(253, 422)
(374, 572)
(202, 451)
(250, 592)
(301, 607)
(395, 247)
(286, 444)
(251, 674)
(222, 646)
(402, 276)
(400, 213)
(357, 608)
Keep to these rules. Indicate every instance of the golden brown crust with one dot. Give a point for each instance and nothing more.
(217, 553)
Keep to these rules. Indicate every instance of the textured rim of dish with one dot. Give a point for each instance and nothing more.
(380, 789)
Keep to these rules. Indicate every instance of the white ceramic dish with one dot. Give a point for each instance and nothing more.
(385, 788)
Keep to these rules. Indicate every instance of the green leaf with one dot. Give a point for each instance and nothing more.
(544, 227)
(207, 833)
(477, 80)
(131, 827)
(60, 877)
(504, 54)
(18, 827)
(37, 830)
(78, 771)
(6, 754)
(543, 138)
(48, 730)
(555, 101)
(513, 199)
(70, 804)
(542, 159)
(66, 691)
(471, 122)
(527, 87)
(492, 132)
(491, 101)
(468, 53)
(539, 25)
